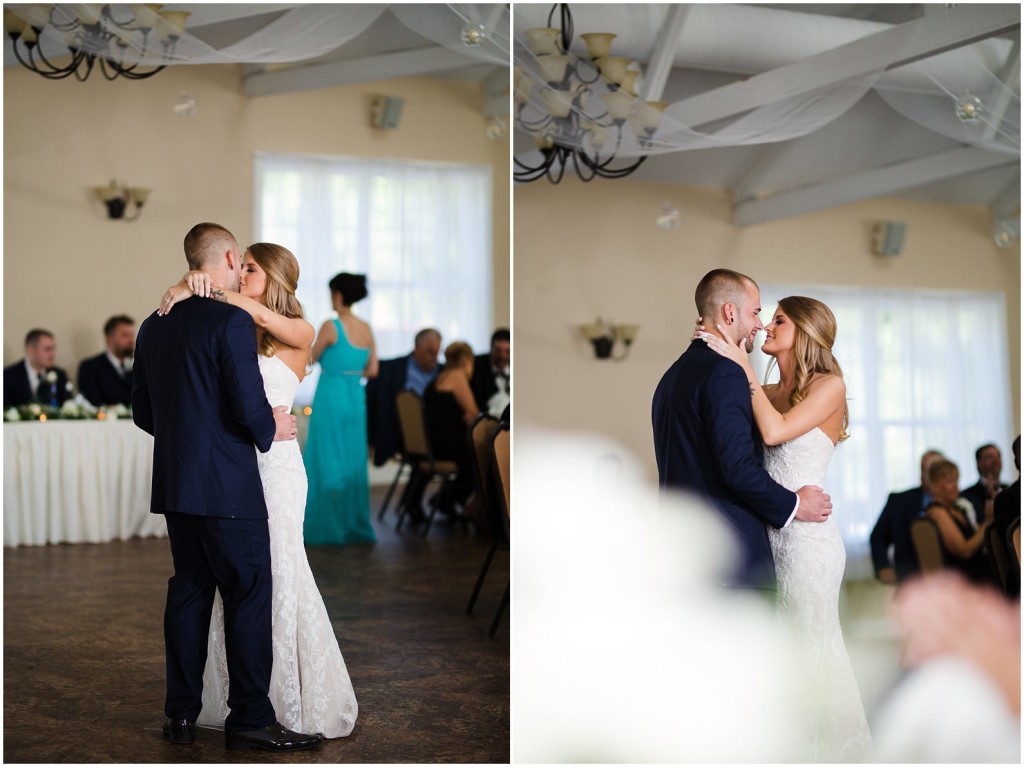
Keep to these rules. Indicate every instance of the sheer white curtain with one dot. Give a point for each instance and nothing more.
(924, 369)
(421, 232)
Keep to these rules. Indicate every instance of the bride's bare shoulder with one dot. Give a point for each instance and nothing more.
(828, 382)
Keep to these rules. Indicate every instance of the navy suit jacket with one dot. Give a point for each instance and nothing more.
(977, 494)
(101, 383)
(197, 389)
(705, 441)
(893, 529)
(18, 391)
(482, 383)
(382, 429)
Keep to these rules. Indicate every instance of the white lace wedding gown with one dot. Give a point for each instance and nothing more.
(309, 685)
(809, 562)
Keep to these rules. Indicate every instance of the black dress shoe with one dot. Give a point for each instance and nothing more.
(180, 731)
(275, 737)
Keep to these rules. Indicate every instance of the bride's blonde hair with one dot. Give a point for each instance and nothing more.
(282, 272)
(812, 352)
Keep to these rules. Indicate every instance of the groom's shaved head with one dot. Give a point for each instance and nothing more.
(719, 287)
(206, 244)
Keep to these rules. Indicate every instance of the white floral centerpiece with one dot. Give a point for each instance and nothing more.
(12, 414)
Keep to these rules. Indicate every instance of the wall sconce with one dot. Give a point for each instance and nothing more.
(118, 198)
(604, 337)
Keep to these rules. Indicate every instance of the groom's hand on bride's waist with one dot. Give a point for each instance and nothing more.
(815, 504)
(286, 424)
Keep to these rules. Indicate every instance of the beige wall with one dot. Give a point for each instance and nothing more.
(67, 267)
(588, 250)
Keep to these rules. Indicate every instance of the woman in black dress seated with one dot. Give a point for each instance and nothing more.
(962, 544)
(450, 408)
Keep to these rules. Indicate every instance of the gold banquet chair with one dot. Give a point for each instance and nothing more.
(927, 544)
(998, 557)
(480, 435)
(417, 448)
(501, 465)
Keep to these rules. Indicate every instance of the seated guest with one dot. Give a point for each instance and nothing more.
(413, 371)
(450, 408)
(491, 374)
(990, 465)
(892, 531)
(962, 541)
(106, 379)
(1007, 509)
(36, 378)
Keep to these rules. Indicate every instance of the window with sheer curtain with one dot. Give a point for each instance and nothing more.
(924, 369)
(421, 232)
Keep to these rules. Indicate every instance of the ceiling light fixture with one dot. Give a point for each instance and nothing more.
(91, 32)
(604, 335)
(117, 199)
(577, 109)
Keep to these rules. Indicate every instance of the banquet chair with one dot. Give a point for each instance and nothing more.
(998, 557)
(501, 466)
(417, 447)
(480, 434)
(403, 462)
(927, 544)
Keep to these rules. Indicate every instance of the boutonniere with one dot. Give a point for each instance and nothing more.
(51, 376)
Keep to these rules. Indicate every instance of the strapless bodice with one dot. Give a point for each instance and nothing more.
(279, 381)
(801, 461)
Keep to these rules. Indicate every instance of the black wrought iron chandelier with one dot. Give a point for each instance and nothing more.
(120, 37)
(579, 109)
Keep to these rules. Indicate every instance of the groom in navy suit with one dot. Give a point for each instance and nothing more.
(705, 439)
(197, 389)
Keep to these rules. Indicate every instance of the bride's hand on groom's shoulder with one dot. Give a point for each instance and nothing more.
(200, 283)
(179, 291)
(721, 345)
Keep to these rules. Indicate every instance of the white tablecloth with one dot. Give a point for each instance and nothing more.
(77, 482)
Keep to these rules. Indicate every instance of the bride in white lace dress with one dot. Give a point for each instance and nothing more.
(309, 686)
(801, 419)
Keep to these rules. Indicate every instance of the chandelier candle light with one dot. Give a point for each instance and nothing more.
(579, 109)
(92, 32)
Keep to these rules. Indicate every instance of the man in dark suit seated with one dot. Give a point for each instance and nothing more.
(413, 371)
(106, 379)
(491, 374)
(989, 462)
(893, 529)
(36, 378)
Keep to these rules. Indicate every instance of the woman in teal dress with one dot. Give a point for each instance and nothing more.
(338, 503)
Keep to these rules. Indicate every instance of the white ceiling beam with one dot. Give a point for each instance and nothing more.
(660, 65)
(1009, 75)
(368, 69)
(1007, 202)
(752, 179)
(963, 25)
(868, 184)
(496, 90)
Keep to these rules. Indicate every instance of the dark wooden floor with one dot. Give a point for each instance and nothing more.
(84, 659)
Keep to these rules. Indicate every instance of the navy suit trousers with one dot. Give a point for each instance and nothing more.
(232, 555)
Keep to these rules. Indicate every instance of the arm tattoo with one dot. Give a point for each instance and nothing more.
(750, 385)
(218, 295)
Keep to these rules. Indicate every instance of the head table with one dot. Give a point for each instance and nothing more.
(77, 482)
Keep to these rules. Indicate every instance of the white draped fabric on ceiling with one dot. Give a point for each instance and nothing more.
(298, 34)
(926, 91)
